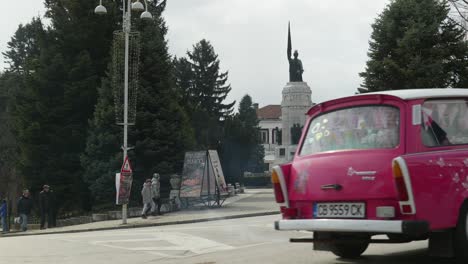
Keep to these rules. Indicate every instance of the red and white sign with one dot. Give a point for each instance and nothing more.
(126, 167)
(124, 185)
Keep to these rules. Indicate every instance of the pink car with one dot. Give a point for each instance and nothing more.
(391, 163)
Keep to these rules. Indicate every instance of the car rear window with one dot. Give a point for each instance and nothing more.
(364, 127)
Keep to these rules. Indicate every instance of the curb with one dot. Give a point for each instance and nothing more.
(19, 234)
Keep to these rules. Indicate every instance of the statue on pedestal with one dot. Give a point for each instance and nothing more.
(295, 64)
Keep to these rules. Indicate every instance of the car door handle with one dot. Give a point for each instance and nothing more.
(331, 187)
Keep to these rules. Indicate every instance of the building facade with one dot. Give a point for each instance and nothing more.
(271, 125)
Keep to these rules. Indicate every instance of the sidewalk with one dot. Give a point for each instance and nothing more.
(254, 202)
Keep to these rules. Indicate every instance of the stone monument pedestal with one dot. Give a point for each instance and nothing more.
(294, 106)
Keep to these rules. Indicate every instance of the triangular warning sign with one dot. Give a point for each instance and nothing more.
(126, 167)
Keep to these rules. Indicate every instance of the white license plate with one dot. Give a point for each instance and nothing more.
(339, 210)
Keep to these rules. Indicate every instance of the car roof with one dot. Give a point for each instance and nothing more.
(409, 94)
(406, 94)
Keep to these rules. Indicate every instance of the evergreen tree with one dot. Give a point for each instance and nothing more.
(203, 87)
(209, 87)
(161, 134)
(230, 149)
(184, 81)
(101, 159)
(9, 86)
(250, 140)
(241, 149)
(59, 96)
(415, 45)
(22, 56)
(24, 47)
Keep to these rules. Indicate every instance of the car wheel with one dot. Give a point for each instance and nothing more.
(461, 236)
(348, 248)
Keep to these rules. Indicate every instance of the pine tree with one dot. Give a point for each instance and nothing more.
(22, 56)
(60, 93)
(250, 140)
(415, 45)
(204, 88)
(241, 149)
(10, 84)
(101, 158)
(162, 132)
(24, 47)
(209, 88)
(184, 81)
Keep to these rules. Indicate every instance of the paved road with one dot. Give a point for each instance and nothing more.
(248, 240)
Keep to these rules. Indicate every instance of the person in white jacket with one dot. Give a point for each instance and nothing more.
(147, 198)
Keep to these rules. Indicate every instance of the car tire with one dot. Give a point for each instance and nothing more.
(348, 248)
(461, 236)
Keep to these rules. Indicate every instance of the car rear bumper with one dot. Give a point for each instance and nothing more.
(355, 225)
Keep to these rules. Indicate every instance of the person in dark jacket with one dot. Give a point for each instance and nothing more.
(156, 194)
(25, 205)
(47, 206)
(3, 214)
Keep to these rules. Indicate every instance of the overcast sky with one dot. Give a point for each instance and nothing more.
(250, 37)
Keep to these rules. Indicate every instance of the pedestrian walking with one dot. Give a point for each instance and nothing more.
(147, 198)
(47, 206)
(3, 215)
(25, 205)
(156, 194)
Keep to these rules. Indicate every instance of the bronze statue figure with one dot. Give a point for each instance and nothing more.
(295, 64)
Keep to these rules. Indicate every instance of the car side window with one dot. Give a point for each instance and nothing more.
(445, 122)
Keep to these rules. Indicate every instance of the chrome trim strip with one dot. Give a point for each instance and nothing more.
(438, 151)
(352, 172)
(342, 225)
(365, 173)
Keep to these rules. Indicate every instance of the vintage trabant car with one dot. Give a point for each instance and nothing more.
(391, 163)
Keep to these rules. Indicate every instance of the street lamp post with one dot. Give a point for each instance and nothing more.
(126, 27)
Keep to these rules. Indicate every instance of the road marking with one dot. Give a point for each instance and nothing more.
(131, 232)
(179, 241)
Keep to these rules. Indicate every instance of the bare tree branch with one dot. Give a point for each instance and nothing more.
(461, 7)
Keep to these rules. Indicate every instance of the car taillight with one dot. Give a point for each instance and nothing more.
(288, 213)
(399, 182)
(406, 209)
(277, 187)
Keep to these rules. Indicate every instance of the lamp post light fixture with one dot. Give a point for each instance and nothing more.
(127, 9)
(100, 9)
(137, 6)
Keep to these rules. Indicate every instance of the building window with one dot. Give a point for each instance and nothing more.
(264, 139)
(282, 152)
(274, 136)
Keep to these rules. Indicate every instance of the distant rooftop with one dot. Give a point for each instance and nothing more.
(269, 112)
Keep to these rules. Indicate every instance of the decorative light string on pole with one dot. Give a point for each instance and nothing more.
(127, 9)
